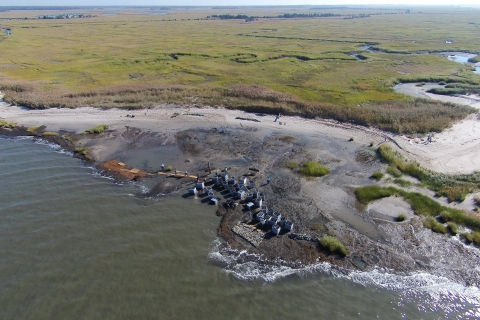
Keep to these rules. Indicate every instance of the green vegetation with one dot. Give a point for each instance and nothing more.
(401, 217)
(314, 169)
(455, 188)
(434, 225)
(82, 151)
(33, 129)
(50, 134)
(370, 193)
(403, 183)
(309, 66)
(6, 124)
(372, 143)
(452, 226)
(169, 168)
(292, 164)
(351, 139)
(333, 244)
(394, 172)
(98, 129)
(421, 205)
(471, 237)
(377, 175)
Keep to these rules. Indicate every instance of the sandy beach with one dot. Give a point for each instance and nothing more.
(456, 150)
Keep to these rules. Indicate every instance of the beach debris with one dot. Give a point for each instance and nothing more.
(247, 119)
(249, 233)
(119, 170)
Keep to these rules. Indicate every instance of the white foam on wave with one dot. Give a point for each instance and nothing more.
(429, 292)
(55, 147)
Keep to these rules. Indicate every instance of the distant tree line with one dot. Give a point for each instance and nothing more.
(281, 16)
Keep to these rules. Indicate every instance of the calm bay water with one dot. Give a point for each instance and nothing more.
(74, 245)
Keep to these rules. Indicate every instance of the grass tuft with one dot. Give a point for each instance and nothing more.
(33, 129)
(434, 225)
(377, 175)
(333, 244)
(394, 172)
(98, 129)
(6, 124)
(314, 169)
(452, 226)
(403, 183)
(401, 217)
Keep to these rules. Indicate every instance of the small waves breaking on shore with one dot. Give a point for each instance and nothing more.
(427, 291)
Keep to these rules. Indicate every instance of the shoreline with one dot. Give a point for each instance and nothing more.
(441, 155)
(321, 206)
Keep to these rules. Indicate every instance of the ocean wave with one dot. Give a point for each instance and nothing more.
(427, 291)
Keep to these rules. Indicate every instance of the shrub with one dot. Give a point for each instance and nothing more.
(169, 168)
(377, 175)
(401, 217)
(394, 172)
(402, 183)
(434, 225)
(333, 244)
(314, 169)
(372, 143)
(292, 164)
(98, 129)
(351, 139)
(452, 226)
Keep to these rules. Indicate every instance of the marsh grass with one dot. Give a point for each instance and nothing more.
(421, 205)
(454, 187)
(434, 225)
(452, 226)
(314, 169)
(333, 245)
(98, 129)
(377, 175)
(403, 183)
(293, 66)
(394, 172)
(471, 237)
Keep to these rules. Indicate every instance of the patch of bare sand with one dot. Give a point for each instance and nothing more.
(456, 150)
(391, 206)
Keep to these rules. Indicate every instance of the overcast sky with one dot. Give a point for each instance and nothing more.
(228, 2)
